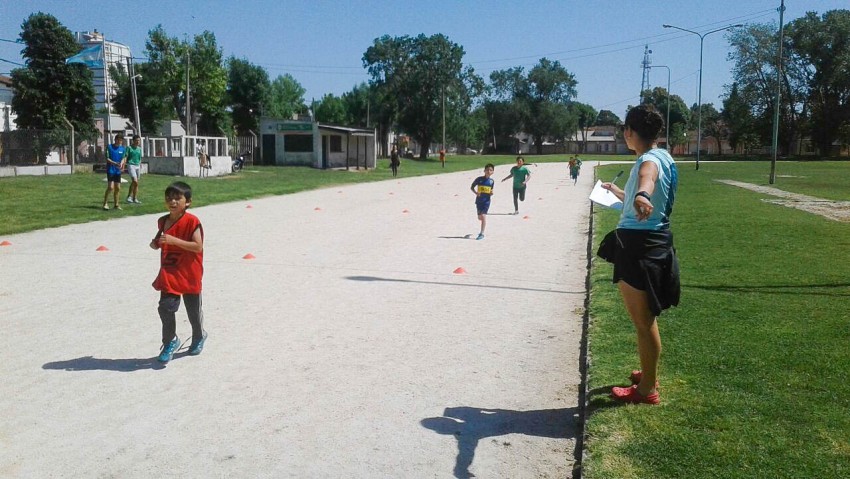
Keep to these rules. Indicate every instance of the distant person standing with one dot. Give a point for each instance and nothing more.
(521, 175)
(116, 157)
(483, 189)
(443, 157)
(394, 161)
(134, 167)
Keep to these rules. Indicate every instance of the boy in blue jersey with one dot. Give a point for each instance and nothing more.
(483, 189)
(116, 158)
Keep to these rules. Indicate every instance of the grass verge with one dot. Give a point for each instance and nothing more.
(755, 358)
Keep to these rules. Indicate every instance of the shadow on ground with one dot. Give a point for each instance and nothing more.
(91, 363)
(471, 424)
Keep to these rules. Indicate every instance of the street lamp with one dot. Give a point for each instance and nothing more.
(699, 94)
(667, 123)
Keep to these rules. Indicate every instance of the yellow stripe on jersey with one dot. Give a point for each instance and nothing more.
(485, 190)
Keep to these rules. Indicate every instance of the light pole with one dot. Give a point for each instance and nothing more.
(699, 94)
(667, 123)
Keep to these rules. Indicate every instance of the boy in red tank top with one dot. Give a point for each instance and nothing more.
(180, 240)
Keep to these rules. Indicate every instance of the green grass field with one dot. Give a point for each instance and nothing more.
(755, 359)
(35, 202)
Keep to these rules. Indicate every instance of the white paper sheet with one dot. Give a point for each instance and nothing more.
(603, 197)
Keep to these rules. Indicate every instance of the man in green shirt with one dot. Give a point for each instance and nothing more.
(521, 175)
(134, 168)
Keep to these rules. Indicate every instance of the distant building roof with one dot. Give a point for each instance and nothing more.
(7, 81)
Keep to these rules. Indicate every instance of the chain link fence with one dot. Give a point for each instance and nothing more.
(45, 147)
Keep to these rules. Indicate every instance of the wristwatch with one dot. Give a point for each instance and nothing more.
(644, 194)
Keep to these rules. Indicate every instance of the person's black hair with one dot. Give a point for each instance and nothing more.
(179, 188)
(520, 158)
(489, 165)
(645, 121)
(119, 136)
(137, 137)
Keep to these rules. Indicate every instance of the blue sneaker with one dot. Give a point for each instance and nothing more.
(168, 350)
(480, 237)
(197, 346)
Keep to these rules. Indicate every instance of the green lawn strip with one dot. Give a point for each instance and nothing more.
(36, 202)
(755, 359)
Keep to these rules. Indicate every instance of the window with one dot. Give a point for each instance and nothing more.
(298, 143)
(336, 144)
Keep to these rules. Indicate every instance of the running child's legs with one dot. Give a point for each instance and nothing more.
(483, 218)
(516, 197)
(168, 306)
(196, 315)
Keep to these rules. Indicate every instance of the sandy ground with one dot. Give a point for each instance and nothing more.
(347, 348)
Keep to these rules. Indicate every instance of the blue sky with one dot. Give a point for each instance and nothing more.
(321, 43)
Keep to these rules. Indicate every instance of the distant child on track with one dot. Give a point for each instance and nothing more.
(181, 241)
(116, 157)
(575, 166)
(483, 189)
(521, 175)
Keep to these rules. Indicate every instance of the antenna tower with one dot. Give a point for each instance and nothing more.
(646, 65)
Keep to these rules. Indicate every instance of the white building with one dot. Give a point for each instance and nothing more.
(7, 116)
(114, 53)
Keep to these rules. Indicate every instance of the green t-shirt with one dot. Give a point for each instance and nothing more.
(520, 174)
(134, 155)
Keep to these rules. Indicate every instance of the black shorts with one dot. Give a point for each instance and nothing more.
(113, 178)
(646, 260)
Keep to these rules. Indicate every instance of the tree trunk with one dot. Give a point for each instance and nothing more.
(424, 146)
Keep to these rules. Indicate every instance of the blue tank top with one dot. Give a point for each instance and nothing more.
(662, 198)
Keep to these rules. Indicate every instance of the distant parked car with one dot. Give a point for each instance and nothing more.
(471, 151)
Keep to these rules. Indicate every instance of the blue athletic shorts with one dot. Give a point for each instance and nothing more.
(483, 206)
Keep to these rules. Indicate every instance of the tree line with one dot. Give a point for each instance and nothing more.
(419, 85)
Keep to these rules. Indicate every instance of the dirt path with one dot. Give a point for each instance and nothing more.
(347, 348)
(834, 210)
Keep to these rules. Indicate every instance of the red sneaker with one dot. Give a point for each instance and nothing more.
(632, 396)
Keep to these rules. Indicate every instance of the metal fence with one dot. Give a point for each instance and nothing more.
(45, 147)
(242, 144)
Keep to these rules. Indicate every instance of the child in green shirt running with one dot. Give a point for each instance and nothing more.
(134, 168)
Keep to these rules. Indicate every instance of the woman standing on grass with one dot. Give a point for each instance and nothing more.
(645, 266)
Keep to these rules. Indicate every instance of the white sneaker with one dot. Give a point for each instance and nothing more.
(130, 200)
(136, 200)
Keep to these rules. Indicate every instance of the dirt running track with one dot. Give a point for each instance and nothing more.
(347, 348)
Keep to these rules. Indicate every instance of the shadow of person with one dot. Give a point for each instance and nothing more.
(91, 363)
(470, 424)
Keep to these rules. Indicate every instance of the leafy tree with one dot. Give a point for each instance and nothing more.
(678, 135)
(737, 117)
(48, 90)
(208, 84)
(285, 98)
(153, 108)
(247, 87)
(547, 83)
(754, 55)
(505, 119)
(712, 124)
(330, 109)
(585, 117)
(823, 45)
(168, 61)
(679, 112)
(608, 118)
(415, 73)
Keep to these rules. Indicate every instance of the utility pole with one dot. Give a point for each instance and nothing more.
(188, 102)
(444, 127)
(778, 97)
